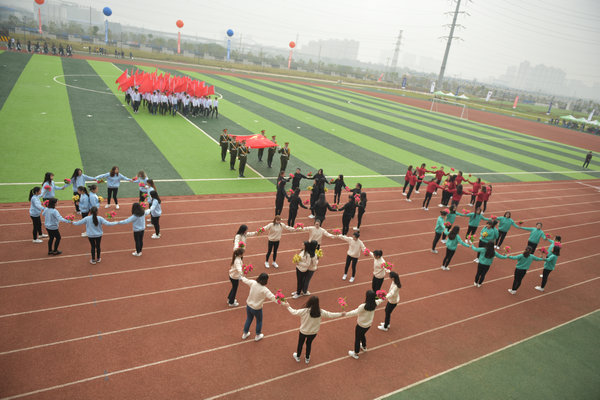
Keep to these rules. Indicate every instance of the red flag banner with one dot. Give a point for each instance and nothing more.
(122, 77)
(211, 90)
(255, 141)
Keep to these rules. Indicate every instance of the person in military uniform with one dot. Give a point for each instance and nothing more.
(224, 143)
(243, 151)
(261, 151)
(271, 152)
(233, 151)
(285, 156)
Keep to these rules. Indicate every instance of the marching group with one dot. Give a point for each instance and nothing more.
(165, 103)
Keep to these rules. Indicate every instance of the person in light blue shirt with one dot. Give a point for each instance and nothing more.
(84, 201)
(142, 179)
(93, 228)
(51, 221)
(78, 179)
(155, 212)
(139, 225)
(48, 186)
(113, 181)
(35, 212)
(94, 200)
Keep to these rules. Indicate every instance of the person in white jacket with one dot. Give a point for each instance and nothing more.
(241, 236)
(254, 303)
(235, 273)
(365, 312)
(378, 269)
(393, 298)
(275, 230)
(316, 233)
(306, 258)
(355, 248)
(310, 322)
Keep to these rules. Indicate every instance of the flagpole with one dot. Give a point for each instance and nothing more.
(40, 19)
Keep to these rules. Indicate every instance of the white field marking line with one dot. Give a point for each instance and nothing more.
(283, 332)
(381, 346)
(485, 356)
(393, 190)
(496, 201)
(220, 240)
(314, 366)
(221, 282)
(261, 177)
(78, 87)
(594, 187)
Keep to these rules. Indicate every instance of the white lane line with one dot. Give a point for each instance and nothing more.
(593, 187)
(484, 356)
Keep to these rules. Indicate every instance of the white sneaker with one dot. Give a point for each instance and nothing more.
(135, 253)
(434, 251)
(512, 291)
(363, 348)
(245, 335)
(382, 328)
(444, 268)
(275, 265)
(267, 264)
(258, 337)
(403, 194)
(541, 275)
(476, 260)
(344, 277)
(235, 304)
(296, 357)
(426, 209)
(117, 206)
(409, 200)
(474, 283)
(353, 354)
(541, 289)
(84, 234)
(440, 205)
(416, 191)
(44, 235)
(155, 236)
(355, 229)
(478, 285)
(307, 360)
(307, 293)
(93, 262)
(98, 260)
(496, 247)
(351, 279)
(107, 206)
(295, 295)
(443, 240)
(37, 241)
(311, 216)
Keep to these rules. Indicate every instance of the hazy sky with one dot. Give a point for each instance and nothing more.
(497, 34)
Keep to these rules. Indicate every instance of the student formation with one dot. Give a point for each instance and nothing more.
(351, 203)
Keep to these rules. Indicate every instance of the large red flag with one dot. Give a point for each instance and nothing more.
(146, 86)
(211, 90)
(122, 77)
(127, 83)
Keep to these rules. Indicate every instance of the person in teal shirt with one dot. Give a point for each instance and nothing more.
(451, 245)
(474, 219)
(451, 217)
(485, 257)
(550, 263)
(504, 225)
(439, 229)
(489, 233)
(536, 234)
(523, 263)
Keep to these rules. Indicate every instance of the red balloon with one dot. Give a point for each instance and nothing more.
(40, 2)
(179, 22)
(292, 45)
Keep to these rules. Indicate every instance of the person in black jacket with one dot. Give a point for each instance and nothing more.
(224, 143)
(296, 179)
(281, 195)
(271, 152)
(349, 210)
(357, 189)
(295, 202)
(337, 191)
(362, 205)
(285, 156)
(321, 207)
(233, 151)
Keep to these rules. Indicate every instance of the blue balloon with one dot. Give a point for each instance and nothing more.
(230, 32)
(107, 11)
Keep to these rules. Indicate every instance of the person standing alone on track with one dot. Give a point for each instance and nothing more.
(588, 158)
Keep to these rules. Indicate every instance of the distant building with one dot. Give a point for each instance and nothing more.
(62, 12)
(333, 49)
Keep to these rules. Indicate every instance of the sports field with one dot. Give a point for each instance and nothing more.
(157, 326)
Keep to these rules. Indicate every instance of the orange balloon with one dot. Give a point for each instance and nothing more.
(40, 2)
(179, 22)
(292, 45)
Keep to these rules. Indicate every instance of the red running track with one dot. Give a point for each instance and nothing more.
(158, 326)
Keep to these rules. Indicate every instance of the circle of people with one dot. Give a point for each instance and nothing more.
(306, 261)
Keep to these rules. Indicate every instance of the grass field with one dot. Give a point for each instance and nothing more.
(59, 114)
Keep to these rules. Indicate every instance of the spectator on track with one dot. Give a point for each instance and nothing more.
(588, 158)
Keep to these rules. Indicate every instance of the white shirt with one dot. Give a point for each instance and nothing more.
(393, 295)
(378, 268)
(355, 247)
(308, 324)
(241, 238)
(365, 318)
(315, 233)
(275, 230)
(258, 294)
(235, 272)
(215, 103)
(304, 262)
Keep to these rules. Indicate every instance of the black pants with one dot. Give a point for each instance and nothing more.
(76, 202)
(84, 214)
(223, 152)
(273, 246)
(309, 339)
(376, 283)
(484, 205)
(361, 211)
(113, 192)
(446, 197)
(270, 159)
(405, 185)
(95, 243)
(337, 196)
(532, 245)
(410, 190)
(284, 162)
(389, 307)
(233, 291)
(136, 106)
(156, 222)
(292, 217)
(54, 236)
(279, 205)
(360, 337)
(427, 199)
(232, 157)
(37, 226)
(242, 166)
(142, 198)
(307, 278)
(138, 237)
(418, 185)
(481, 271)
(519, 274)
(473, 197)
(348, 260)
(545, 277)
(586, 163)
(260, 154)
(300, 280)
(477, 204)
(501, 236)
(436, 238)
(346, 224)
(448, 257)
(471, 230)
(455, 203)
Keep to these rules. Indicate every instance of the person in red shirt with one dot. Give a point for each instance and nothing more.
(412, 182)
(439, 174)
(420, 176)
(457, 194)
(475, 189)
(407, 179)
(447, 193)
(460, 178)
(431, 187)
(488, 193)
(480, 196)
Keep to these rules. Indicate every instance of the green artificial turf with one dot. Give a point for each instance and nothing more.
(13, 64)
(560, 364)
